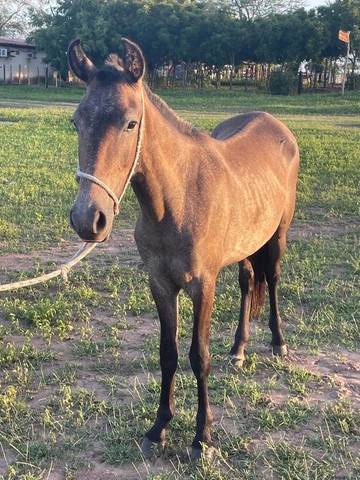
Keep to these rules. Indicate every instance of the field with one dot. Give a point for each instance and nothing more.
(79, 378)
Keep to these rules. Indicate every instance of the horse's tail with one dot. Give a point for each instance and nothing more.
(259, 261)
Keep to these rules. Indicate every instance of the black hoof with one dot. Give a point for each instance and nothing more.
(280, 350)
(236, 361)
(151, 449)
(206, 453)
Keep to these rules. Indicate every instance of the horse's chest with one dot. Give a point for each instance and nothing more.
(168, 253)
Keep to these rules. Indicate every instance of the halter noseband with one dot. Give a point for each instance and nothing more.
(79, 174)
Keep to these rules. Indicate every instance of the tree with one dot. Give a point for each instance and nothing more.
(72, 18)
(14, 16)
(288, 39)
(202, 32)
(252, 9)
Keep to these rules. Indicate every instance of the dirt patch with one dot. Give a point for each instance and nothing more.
(121, 244)
(348, 125)
(6, 122)
(300, 230)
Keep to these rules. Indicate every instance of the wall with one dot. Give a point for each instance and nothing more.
(23, 63)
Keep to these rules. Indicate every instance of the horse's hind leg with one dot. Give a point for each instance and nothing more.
(246, 282)
(276, 247)
(166, 298)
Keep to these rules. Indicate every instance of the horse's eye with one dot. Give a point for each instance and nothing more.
(131, 125)
(74, 123)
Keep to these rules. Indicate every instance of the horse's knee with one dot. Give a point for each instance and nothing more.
(246, 276)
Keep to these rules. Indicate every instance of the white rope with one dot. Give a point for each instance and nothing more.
(108, 190)
(84, 250)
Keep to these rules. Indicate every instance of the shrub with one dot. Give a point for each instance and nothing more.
(282, 83)
(353, 82)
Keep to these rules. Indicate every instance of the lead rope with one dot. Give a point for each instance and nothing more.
(86, 248)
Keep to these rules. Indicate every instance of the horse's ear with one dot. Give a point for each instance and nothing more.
(133, 59)
(80, 65)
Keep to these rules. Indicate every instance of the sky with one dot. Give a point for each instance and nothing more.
(316, 3)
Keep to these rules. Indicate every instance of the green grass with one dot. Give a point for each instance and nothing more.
(40, 94)
(79, 378)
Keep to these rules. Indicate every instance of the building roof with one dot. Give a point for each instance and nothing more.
(16, 43)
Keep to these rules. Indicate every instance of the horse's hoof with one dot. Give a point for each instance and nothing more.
(280, 350)
(205, 453)
(236, 361)
(151, 449)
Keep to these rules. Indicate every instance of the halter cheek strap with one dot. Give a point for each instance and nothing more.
(79, 174)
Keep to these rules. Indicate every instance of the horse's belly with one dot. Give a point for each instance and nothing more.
(247, 231)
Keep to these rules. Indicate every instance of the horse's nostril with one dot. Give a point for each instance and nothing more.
(99, 222)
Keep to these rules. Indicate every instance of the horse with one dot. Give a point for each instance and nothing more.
(205, 202)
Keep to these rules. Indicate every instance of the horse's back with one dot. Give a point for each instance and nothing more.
(233, 125)
(257, 128)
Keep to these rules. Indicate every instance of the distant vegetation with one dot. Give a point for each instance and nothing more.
(203, 38)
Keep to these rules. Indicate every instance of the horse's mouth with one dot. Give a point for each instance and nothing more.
(93, 238)
(105, 239)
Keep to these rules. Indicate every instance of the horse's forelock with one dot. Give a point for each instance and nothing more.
(112, 70)
(114, 61)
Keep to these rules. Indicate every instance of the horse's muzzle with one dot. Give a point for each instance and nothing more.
(92, 225)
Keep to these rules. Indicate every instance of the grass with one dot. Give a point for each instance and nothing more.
(79, 377)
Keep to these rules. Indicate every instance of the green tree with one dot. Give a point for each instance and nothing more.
(205, 32)
(72, 18)
(288, 39)
(252, 9)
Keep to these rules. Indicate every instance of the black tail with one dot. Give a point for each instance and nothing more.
(258, 262)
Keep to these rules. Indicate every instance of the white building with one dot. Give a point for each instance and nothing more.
(20, 62)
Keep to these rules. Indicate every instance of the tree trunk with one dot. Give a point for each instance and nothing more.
(326, 69)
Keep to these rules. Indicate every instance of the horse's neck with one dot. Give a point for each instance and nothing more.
(164, 167)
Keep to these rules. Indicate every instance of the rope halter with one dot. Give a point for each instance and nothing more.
(117, 200)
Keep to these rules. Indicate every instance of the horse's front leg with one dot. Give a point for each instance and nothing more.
(166, 298)
(203, 298)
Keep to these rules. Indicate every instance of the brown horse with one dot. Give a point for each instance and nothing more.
(204, 203)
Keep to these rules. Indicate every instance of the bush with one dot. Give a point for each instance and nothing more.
(353, 82)
(282, 83)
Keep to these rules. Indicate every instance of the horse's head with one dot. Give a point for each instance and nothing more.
(109, 122)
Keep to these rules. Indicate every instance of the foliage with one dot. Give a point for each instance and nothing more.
(354, 82)
(252, 9)
(282, 83)
(197, 33)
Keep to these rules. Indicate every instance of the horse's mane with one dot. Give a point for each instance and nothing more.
(182, 125)
(114, 64)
